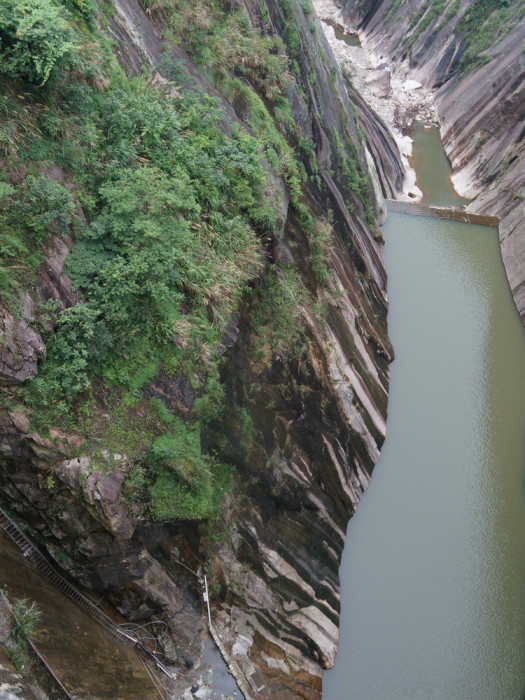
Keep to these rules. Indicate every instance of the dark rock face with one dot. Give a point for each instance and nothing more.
(52, 282)
(481, 113)
(318, 432)
(318, 420)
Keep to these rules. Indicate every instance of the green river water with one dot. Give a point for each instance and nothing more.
(433, 573)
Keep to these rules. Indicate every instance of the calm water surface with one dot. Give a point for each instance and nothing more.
(433, 574)
(433, 169)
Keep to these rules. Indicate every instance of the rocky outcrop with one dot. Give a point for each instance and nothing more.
(21, 342)
(21, 348)
(21, 345)
(481, 111)
(99, 537)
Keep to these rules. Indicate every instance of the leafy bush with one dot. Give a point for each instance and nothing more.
(84, 9)
(188, 484)
(170, 247)
(25, 617)
(174, 194)
(29, 214)
(179, 450)
(80, 342)
(171, 500)
(44, 206)
(150, 263)
(277, 316)
(34, 39)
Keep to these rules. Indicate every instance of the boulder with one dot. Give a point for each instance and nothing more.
(20, 350)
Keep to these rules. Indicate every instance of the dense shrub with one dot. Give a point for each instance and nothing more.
(176, 202)
(187, 484)
(225, 42)
(34, 39)
(29, 213)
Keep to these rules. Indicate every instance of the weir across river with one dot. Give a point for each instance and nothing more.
(448, 213)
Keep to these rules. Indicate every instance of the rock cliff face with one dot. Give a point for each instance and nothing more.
(316, 415)
(481, 110)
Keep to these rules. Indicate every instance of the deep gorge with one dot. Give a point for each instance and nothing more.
(194, 365)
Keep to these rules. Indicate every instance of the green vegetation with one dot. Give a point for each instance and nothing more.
(25, 617)
(392, 8)
(292, 29)
(354, 174)
(174, 204)
(28, 215)
(200, 482)
(451, 13)
(222, 43)
(277, 316)
(171, 242)
(426, 13)
(167, 201)
(35, 39)
(484, 23)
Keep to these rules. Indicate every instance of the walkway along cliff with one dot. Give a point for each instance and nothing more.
(264, 392)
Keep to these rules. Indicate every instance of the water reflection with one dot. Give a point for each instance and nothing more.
(433, 169)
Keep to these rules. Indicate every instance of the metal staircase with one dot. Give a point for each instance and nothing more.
(47, 572)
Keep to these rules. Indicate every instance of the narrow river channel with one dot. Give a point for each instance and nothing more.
(433, 573)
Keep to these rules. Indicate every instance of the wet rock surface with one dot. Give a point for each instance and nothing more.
(85, 658)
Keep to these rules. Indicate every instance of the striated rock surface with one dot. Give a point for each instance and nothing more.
(387, 161)
(482, 111)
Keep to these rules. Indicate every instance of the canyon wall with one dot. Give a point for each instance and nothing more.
(476, 67)
(303, 368)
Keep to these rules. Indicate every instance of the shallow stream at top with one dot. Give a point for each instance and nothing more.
(433, 573)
